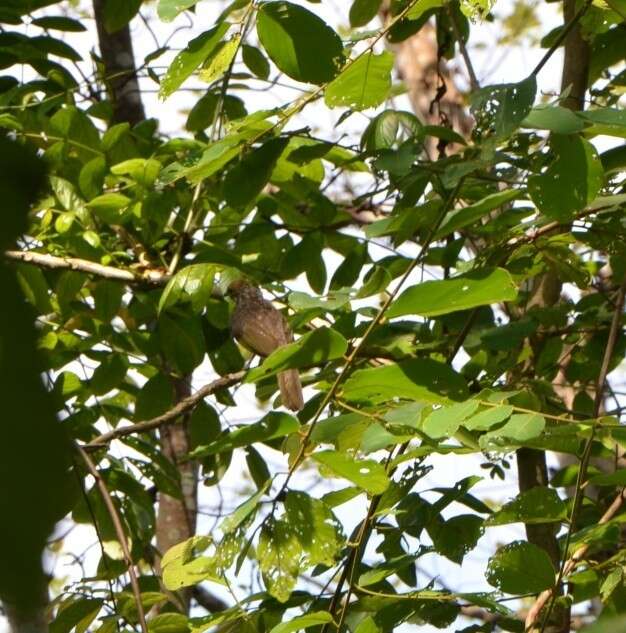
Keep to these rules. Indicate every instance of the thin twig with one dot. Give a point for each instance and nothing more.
(119, 531)
(560, 39)
(474, 84)
(183, 406)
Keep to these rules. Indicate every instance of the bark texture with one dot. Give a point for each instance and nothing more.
(120, 73)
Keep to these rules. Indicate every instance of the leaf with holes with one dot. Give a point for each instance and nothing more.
(186, 62)
(499, 110)
(537, 505)
(520, 567)
(279, 552)
(316, 528)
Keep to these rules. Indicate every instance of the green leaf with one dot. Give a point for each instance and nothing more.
(383, 570)
(219, 60)
(520, 427)
(73, 613)
(254, 59)
(571, 182)
(118, 13)
(303, 622)
(143, 171)
(433, 298)
(537, 505)
(59, 23)
(279, 552)
(376, 437)
(364, 83)
(108, 375)
(420, 379)
(421, 6)
(246, 180)
(367, 625)
(460, 218)
(556, 119)
(484, 420)
(315, 348)
(168, 622)
(107, 296)
(457, 536)
(302, 45)
(243, 511)
(617, 478)
(192, 283)
(609, 121)
(445, 422)
(499, 110)
(273, 425)
(182, 342)
(190, 58)
(316, 527)
(365, 473)
(167, 10)
(363, 11)
(154, 398)
(520, 567)
(388, 128)
(181, 568)
(110, 207)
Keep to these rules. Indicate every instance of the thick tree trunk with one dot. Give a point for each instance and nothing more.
(120, 74)
(176, 518)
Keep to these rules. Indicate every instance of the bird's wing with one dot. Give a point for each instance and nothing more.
(263, 331)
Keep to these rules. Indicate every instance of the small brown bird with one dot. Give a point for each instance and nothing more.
(260, 327)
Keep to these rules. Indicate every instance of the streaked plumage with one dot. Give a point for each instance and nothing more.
(260, 327)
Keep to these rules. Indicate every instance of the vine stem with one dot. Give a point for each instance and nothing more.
(119, 531)
(357, 348)
(567, 564)
(561, 38)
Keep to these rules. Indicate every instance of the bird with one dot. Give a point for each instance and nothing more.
(261, 328)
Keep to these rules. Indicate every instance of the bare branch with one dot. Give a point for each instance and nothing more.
(43, 260)
(170, 416)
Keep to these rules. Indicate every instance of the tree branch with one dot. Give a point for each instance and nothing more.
(183, 406)
(205, 599)
(43, 260)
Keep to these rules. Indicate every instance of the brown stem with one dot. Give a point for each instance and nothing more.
(616, 326)
(576, 58)
(121, 535)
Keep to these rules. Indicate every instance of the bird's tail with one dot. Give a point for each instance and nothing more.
(291, 389)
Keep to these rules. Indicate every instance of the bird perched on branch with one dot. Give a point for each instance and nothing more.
(260, 327)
